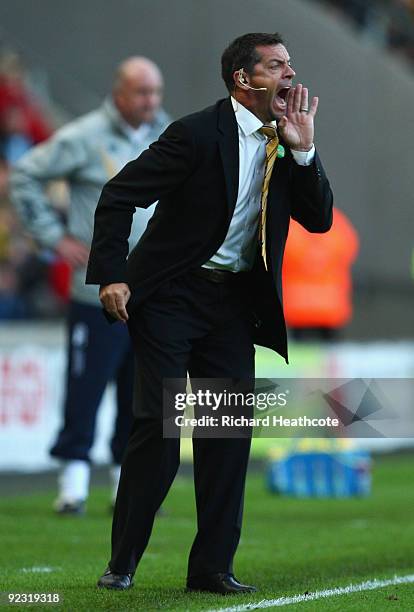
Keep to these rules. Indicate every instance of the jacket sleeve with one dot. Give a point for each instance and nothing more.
(312, 199)
(159, 170)
(58, 158)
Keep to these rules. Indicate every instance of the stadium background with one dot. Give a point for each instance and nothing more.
(364, 134)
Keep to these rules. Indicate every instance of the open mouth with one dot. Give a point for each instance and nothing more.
(281, 96)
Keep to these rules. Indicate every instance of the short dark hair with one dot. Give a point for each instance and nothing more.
(242, 53)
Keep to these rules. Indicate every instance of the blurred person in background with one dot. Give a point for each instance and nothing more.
(12, 304)
(25, 290)
(86, 153)
(18, 256)
(317, 281)
(22, 122)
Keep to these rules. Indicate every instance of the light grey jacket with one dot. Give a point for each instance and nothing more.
(86, 153)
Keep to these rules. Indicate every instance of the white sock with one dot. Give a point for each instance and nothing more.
(114, 475)
(74, 480)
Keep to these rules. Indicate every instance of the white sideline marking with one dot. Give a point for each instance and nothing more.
(369, 585)
(39, 569)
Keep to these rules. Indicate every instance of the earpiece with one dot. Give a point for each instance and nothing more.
(242, 78)
(243, 81)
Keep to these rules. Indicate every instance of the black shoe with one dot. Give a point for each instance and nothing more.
(111, 580)
(218, 583)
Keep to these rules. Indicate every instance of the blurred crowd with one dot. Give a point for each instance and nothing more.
(387, 23)
(32, 282)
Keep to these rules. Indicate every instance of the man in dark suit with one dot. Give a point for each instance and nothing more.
(203, 285)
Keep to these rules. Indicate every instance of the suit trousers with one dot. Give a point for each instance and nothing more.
(189, 324)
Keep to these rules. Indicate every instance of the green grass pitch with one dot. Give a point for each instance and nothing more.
(288, 547)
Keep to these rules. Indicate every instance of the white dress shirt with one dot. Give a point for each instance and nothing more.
(238, 249)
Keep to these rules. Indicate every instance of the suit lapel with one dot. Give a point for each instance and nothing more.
(229, 151)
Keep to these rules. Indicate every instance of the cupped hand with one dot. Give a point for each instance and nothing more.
(296, 127)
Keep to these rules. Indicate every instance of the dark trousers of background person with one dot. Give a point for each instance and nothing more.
(189, 324)
(97, 354)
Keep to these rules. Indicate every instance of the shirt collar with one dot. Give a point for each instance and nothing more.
(248, 122)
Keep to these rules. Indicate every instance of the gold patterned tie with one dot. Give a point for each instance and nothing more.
(271, 153)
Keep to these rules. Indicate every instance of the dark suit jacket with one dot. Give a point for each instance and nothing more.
(192, 170)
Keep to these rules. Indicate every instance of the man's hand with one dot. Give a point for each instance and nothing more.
(296, 127)
(73, 251)
(114, 299)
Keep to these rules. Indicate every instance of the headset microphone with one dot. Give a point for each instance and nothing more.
(242, 81)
